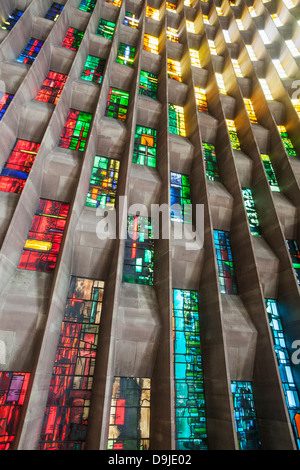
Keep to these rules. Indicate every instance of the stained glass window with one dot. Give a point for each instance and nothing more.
(87, 5)
(225, 262)
(174, 70)
(117, 104)
(5, 100)
(13, 389)
(73, 39)
(131, 20)
(180, 196)
(296, 104)
(235, 143)
(129, 424)
(29, 54)
(106, 29)
(190, 420)
(17, 168)
(103, 184)
(52, 87)
(251, 211)
(295, 256)
(152, 13)
(68, 405)
(12, 19)
(195, 58)
(45, 236)
(284, 365)
(176, 120)
(116, 3)
(93, 69)
(144, 152)
(220, 83)
(211, 164)
(54, 11)
(76, 129)
(286, 141)
(148, 84)
(236, 66)
(190, 26)
(265, 88)
(270, 172)
(171, 6)
(201, 102)
(139, 251)
(245, 415)
(250, 110)
(125, 54)
(151, 44)
(172, 34)
(212, 47)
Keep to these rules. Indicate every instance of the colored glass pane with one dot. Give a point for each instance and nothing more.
(236, 66)
(174, 70)
(251, 211)
(52, 87)
(117, 104)
(176, 120)
(13, 389)
(250, 110)
(54, 11)
(45, 236)
(139, 251)
(286, 141)
(87, 5)
(13, 18)
(148, 84)
(172, 34)
(190, 420)
(93, 69)
(125, 54)
(131, 20)
(151, 44)
(245, 415)
(106, 29)
(170, 6)
(225, 262)
(211, 164)
(18, 165)
(144, 152)
(212, 47)
(270, 172)
(129, 424)
(220, 83)
(235, 143)
(75, 132)
(180, 198)
(195, 58)
(103, 184)
(295, 256)
(30, 52)
(5, 100)
(73, 39)
(201, 102)
(68, 405)
(190, 27)
(152, 13)
(116, 3)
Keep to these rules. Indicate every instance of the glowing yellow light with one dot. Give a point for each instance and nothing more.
(38, 245)
(190, 26)
(195, 58)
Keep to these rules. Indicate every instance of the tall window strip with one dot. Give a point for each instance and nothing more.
(211, 164)
(250, 110)
(18, 165)
(195, 58)
(93, 69)
(189, 398)
(30, 52)
(150, 44)
(87, 5)
(225, 265)
(129, 424)
(212, 47)
(73, 39)
(106, 29)
(205, 19)
(174, 70)
(13, 18)
(117, 104)
(190, 27)
(52, 87)
(251, 53)
(172, 34)
(240, 24)
(54, 12)
(265, 89)
(287, 143)
(245, 415)
(284, 365)
(125, 54)
(295, 257)
(144, 151)
(235, 143)
(280, 70)
(226, 36)
(237, 68)
(103, 184)
(176, 120)
(76, 129)
(296, 104)
(67, 411)
(148, 84)
(45, 236)
(5, 100)
(131, 20)
(13, 390)
(180, 198)
(152, 13)
(220, 83)
(139, 251)
(251, 211)
(201, 101)
(271, 177)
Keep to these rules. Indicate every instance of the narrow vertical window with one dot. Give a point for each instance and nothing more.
(251, 211)
(271, 177)
(180, 198)
(176, 120)
(30, 52)
(117, 104)
(295, 257)
(103, 183)
(234, 140)
(150, 44)
(52, 87)
(87, 5)
(93, 69)
(148, 84)
(225, 265)
(201, 101)
(54, 11)
(195, 58)
(13, 18)
(144, 152)
(250, 110)
(106, 29)
(174, 70)
(125, 54)
(286, 141)
(73, 39)
(5, 100)
(172, 34)
(76, 129)
(211, 164)
(152, 13)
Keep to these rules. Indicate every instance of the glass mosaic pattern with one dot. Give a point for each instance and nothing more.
(295, 256)
(106, 29)
(125, 54)
(195, 58)
(181, 197)
(174, 70)
(13, 18)
(5, 100)
(129, 425)
(30, 52)
(144, 151)
(52, 87)
(201, 102)
(73, 39)
(271, 177)
(235, 143)
(245, 415)
(68, 405)
(190, 420)
(250, 110)
(103, 184)
(227, 279)
(117, 104)
(76, 129)
(152, 13)
(172, 34)
(211, 164)
(176, 120)
(287, 142)
(54, 11)
(87, 5)
(251, 211)
(45, 236)
(148, 84)
(93, 69)
(131, 20)
(151, 44)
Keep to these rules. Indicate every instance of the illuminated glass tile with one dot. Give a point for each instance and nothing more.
(52, 87)
(195, 58)
(93, 69)
(170, 6)
(296, 104)
(131, 20)
(103, 183)
(73, 39)
(293, 49)
(76, 129)
(117, 104)
(265, 88)
(212, 47)
(189, 399)
(237, 69)
(240, 24)
(68, 405)
(286, 141)
(245, 415)
(150, 44)
(129, 424)
(29, 54)
(13, 18)
(205, 19)
(271, 177)
(152, 13)
(190, 27)
(226, 36)
(176, 120)
(116, 3)
(125, 54)
(219, 11)
(181, 198)
(235, 143)
(264, 36)
(148, 84)
(18, 165)
(139, 251)
(295, 257)
(280, 70)
(252, 11)
(225, 265)
(54, 11)
(174, 70)
(251, 211)
(220, 83)
(211, 164)
(251, 53)
(13, 389)
(45, 236)
(250, 110)
(87, 5)
(144, 151)
(276, 20)
(201, 100)
(106, 29)
(5, 100)
(172, 34)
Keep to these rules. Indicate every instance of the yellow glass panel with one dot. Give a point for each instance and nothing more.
(38, 245)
